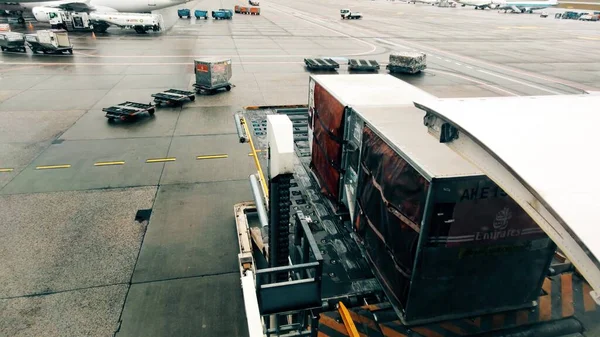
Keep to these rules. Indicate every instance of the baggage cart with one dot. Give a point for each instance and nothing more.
(320, 64)
(212, 75)
(184, 12)
(127, 111)
(201, 14)
(222, 14)
(12, 42)
(362, 65)
(49, 42)
(254, 11)
(173, 97)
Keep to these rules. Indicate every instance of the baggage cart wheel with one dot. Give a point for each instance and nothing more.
(3, 49)
(192, 98)
(111, 120)
(151, 112)
(180, 17)
(228, 88)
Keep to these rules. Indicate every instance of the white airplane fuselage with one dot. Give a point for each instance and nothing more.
(133, 6)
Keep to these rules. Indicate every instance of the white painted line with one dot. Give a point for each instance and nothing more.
(448, 60)
(469, 67)
(437, 57)
(458, 64)
(493, 87)
(521, 82)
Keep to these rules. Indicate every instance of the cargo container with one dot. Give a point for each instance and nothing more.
(330, 97)
(254, 10)
(444, 240)
(212, 74)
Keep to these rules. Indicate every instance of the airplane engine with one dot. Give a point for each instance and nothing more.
(44, 14)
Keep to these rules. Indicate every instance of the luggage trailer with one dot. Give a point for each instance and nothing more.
(315, 273)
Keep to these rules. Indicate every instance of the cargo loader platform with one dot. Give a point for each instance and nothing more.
(564, 308)
(321, 64)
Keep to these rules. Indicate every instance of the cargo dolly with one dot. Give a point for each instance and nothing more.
(128, 111)
(320, 64)
(362, 65)
(10, 41)
(173, 97)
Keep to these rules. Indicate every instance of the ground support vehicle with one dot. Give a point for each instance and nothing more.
(184, 12)
(362, 65)
(318, 272)
(222, 15)
(201, 14)
(320, 64)
(49, 41)
(343, 12)
(352, 16)
(174, 97)
(254, 3)
(11, 41)
(140, 22)
(128, 111)
(212, 75)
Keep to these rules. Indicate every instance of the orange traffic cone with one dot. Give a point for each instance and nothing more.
(93, 35)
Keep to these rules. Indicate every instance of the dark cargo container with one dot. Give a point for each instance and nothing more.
(330, 97)
(444, 240)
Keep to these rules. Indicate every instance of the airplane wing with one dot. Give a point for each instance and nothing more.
(74, 6)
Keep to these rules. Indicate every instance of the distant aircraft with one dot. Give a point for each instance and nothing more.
(131, 6)
(427, 2)
(525, 6)
(478, 4)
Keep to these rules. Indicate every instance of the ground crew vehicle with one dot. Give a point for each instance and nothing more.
(254, 3)
(141, 23)
(343, 12)
(12, 42)
(49, 41)
(352, 15)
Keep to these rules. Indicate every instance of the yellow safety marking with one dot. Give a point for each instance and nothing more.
(6, 170)
(255, 156)
(49, 167)
(348, 322)
(160, 160)
(250, 154)
(109, 163)
(212, 156)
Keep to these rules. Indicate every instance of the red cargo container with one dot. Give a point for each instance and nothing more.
(329, 98)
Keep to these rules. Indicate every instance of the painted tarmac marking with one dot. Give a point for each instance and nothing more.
(51, 167)
(493, 87)
(5, 170)
(212, 156)
(160, 160)
(469, 67)
(109, 163)
(458, 64)
(437, 57)
(520, 82)
(448, 60)
(589, 38)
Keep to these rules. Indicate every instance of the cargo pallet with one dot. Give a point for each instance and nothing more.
(128, 111)
(174, 97)
(401, 69)
(563, 308)
(320, 64)
(362, 65)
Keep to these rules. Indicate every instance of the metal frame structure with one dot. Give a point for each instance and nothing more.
(525, 165)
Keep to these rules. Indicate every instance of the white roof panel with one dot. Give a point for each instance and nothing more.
(370, 89)
(402, 128)
(549, 143)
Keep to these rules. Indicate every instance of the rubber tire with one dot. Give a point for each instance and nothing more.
(180, 17)
(152, 111)
(228, 88)
(193, 98)
(70, 51)
(3, 49)
(111, 120)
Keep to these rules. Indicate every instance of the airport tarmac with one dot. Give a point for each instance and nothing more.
(79, 256)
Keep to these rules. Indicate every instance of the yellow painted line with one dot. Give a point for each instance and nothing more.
(160, 160)
(50, 167)
(348, 322)
(6, 170)
(212, 156)
(250, 154)
(589, 38)
(109, 163)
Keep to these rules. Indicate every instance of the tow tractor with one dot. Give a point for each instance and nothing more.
(348, 14)
(340, 242)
